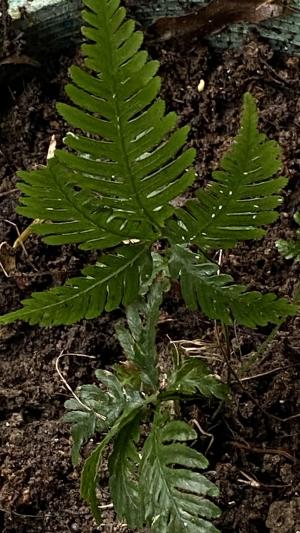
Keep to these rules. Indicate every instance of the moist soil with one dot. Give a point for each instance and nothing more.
(254, 453)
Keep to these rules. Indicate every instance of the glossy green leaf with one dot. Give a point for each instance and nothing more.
(123, 480)
(113, 281)
(243, 195)
(193, 376)
(219, 297)
(175, 494)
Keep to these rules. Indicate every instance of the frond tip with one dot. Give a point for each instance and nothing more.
(119, 174)
(243, 195)
(128, 154)
(175, 494)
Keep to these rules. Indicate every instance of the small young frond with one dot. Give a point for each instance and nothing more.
(98, 410)
(174, 492)
(89, 476)
(219, 297)
(291, 249)
(113, 281)
(123, 479)
(108, 407)
(193, 376)
(242, 196)
(138, 340)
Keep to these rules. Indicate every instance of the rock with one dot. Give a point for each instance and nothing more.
(284, 516)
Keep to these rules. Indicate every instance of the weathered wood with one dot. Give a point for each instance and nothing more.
(214, 17)
(49, 25)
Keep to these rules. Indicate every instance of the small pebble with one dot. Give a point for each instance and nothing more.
(201, 86)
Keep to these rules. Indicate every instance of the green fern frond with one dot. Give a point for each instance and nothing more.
(138, 340)
(83, 427)
(124, 476)
(97, 408)
(119, 177)
(219, 297)
(193, 376)
(242, 197)
(90, 472)
(115, 184)
(174, 492)
(72, 215)
(113, 281)
(291, 249)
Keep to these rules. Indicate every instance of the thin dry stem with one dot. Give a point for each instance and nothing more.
(196, 348)
(19, 236)
(27, 231)
(201, 430)
(62, 354)
(1, 264)
(7, 193)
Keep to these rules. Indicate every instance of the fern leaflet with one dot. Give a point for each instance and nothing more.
(291, 249)
(89, 476)
(174, 492)
(243, 195)
(193, 376)
(72, 214)
(123, 468)
(219, 297)
(113, 281)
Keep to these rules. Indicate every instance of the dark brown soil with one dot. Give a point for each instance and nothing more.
(254, 456)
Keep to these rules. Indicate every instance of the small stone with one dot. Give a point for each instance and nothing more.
(201, 86)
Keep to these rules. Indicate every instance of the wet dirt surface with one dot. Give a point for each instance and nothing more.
(254, 455)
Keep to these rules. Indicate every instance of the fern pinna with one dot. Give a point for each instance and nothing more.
(113, 189)
(290, 249)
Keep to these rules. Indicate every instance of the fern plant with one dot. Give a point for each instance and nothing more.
(154, 480)
(117, 181)
(113, 190)
(291, 249)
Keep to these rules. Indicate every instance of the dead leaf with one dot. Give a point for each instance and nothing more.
(22, 59)
(214, 17)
